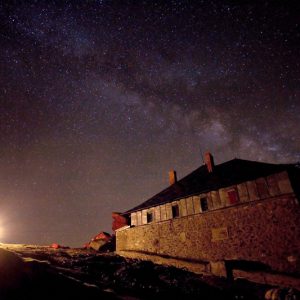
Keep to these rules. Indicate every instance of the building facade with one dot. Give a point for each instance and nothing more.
(239, 214)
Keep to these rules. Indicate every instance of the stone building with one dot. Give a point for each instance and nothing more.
(240, 214)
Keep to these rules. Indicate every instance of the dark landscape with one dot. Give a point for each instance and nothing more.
(33, 272)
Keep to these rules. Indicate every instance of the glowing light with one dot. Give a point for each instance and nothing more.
(1, 229)
(4, 213)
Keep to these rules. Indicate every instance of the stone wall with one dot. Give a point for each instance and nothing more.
(264, 231)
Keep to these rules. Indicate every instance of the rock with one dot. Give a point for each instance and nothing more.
(12, 270)
(97, 244)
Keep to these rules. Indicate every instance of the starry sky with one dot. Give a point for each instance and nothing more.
(100, 99)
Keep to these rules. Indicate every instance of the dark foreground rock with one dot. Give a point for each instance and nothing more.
(37, 280)
(29, 272)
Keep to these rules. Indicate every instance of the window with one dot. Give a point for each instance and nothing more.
(149, 217)
(203, 204)
(175, 211)
(233, 197)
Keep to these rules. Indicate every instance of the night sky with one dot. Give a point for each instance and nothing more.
(100, 99)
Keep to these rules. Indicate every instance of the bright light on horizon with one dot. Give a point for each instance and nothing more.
(1, 233)
(5, 223)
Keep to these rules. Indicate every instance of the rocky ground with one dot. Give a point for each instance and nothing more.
(33, 272)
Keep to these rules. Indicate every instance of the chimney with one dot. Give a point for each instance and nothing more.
(209, 162)
(172, 177)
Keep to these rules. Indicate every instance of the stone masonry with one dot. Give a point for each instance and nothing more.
(265, 231)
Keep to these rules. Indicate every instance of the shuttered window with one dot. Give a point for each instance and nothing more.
(233, 197)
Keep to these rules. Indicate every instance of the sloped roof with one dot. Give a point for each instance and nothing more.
(226, 174)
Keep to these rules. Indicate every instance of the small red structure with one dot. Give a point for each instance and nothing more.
(58, 246)
(102, 236)
(118, 221)
(98, 241)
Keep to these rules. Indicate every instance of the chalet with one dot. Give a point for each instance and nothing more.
(238, 214)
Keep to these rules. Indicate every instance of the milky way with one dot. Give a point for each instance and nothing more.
(99, 99)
